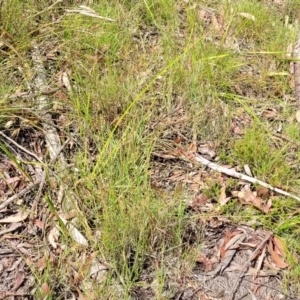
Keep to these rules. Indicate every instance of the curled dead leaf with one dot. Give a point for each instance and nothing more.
(199, 201)
(279, 246)
(263, 192)
(41, 264)
(203, 259)
(39, 224)
(206, 150)
(193, 147)
(66, 81)
(280, 263)
(53, 237)
(217, 26)
(45, 289)
(246, 196)
(223, 199)
(270, 114)
(20, 276)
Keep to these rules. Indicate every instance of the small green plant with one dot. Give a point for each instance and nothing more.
(265, 160)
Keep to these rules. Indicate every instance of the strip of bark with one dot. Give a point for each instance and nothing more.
(247, 264)
(51, 135)
(296, 56)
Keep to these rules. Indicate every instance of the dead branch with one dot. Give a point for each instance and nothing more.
(258, 248)
(51, 136)
(241, 176)
(21, 147)
(21, 193)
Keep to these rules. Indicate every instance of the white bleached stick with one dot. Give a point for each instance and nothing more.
(232, 173)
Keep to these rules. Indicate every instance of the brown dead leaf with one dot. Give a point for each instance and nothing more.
(65, 80)
(270, 114)
(45, 289)
(205, 149)
(193, 147)
(215, 222)
(41, 264)
(163, 155)
(230, 249)
(234, 242)
(235, 128)
(226, 244)
(279, 246)
(276, 258)
(53, 237)
(250, 198)
(18, 281)
(176, 175)
(199, 201)
(198, 178)
(215, 23)
(263, 192)
(81, 296)
(178, 139)
(222, 198)
(84, 268)
(268, 206)
(295, 258)
(203, 259)
(61, 96)
(195, 187)
(187, 154)
(221, 19)
(226, 240)
(39, 224)
(13, 180)
(203, 15)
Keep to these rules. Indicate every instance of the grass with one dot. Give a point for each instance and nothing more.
(130, 74)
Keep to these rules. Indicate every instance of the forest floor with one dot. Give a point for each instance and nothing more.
(149, 150)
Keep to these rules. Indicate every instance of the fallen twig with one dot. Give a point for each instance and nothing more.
(233, 173)
(21, 147)
(285, 138)
(46, 9)
(43, 179)
(258, 248)
(31, 95)
(51, 135)
(272, 288)
(53, 142)
(13, 227)
(21, 193)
